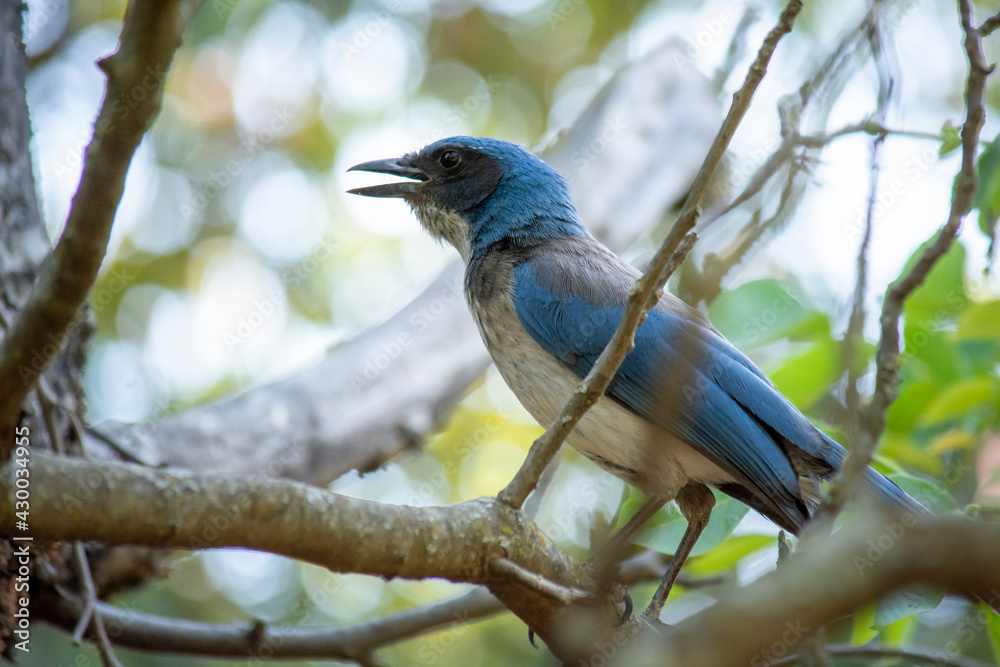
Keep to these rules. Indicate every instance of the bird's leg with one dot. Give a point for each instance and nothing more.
(696, 502)
(600, 564)
(610, 550)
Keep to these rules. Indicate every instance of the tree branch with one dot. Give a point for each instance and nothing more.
(913, 655)
(86, 500)
(989, 25)
(821, 585)
(150, 35)
(887, 356)
(648, 289)
(862, 449)
(138, 630)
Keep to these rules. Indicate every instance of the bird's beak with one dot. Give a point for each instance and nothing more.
(393, 167)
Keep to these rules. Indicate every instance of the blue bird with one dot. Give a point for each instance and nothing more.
(686, 410)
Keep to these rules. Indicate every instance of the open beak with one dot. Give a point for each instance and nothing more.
(393, 167)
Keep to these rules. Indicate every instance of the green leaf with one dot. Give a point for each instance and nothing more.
(762, 311)
(981, 320)
(667, 533)
(724, 557)
(903, 452)
(930, 494)
(805, 378)
(950, 138)
(905, 603)
(960, 398)
(993, 626)
(987, 198)
(942, 295)
(914, 397)
(864, 621)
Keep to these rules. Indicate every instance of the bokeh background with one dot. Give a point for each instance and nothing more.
(238, 195)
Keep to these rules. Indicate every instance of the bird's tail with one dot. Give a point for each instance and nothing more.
(886, 492)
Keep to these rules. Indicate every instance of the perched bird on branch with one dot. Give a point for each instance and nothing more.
(686, 410)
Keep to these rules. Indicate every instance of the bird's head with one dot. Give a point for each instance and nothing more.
(474, 192)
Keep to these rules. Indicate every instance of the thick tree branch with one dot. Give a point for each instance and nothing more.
(913, 656)
(648, 289)
(78, 499)
(151, 34)
(821, 585)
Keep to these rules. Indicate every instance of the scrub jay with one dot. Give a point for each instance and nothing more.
(686, 410)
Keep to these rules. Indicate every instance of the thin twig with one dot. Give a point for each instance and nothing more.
(737, 45)
(887, 356)
(989, 25)
(862, 449)
(563, 594)
(107, 653)
(648, 289)
(136, 73)
(152, 632)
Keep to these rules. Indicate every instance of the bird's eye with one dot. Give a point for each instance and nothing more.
(449, 159)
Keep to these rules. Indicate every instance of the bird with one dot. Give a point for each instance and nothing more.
(686, 410)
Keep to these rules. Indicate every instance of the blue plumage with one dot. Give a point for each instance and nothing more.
(686, 409)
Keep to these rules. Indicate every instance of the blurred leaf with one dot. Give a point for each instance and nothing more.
(987, 198)
(981, 320)
(931, 356)
(941, 296)
(914, 397)
(906, 451)
(863, 630)
(805, 378)
(666, 536)
(905, 603)
(724, 557)
(950, 440)
(950, 139)
(993, 628)
(762, 311)
(958, 399)
(930, 494)
(633, 500)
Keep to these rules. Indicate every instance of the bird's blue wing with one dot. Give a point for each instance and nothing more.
(729, 411)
